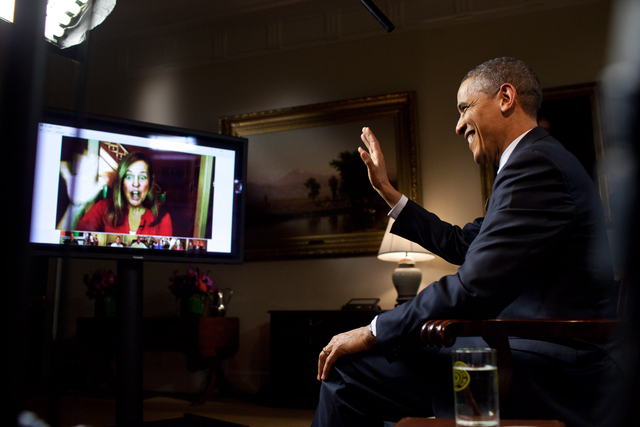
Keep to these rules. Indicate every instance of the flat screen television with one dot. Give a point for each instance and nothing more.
(119, 189)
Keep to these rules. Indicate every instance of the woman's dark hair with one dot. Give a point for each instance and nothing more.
(117, 213)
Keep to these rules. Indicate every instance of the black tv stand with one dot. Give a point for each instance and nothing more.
(129, 343)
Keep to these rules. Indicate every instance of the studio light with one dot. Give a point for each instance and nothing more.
(69, 20)
(6, 9)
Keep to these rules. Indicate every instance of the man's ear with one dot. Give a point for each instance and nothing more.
(507, 98)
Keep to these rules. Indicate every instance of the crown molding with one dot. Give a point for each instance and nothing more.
(159, 34)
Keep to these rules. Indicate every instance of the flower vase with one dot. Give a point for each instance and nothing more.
(105, 306)
(198, 305)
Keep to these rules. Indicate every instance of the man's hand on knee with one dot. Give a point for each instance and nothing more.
(350, 342)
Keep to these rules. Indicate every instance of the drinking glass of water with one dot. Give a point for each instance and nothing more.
(475, 385)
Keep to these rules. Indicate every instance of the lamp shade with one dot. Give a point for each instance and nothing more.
(394, 248)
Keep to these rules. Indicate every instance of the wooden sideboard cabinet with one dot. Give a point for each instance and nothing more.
(296, 339)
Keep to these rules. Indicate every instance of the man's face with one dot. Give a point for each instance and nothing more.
(479, 122)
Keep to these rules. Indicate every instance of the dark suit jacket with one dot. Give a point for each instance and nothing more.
(540, 252)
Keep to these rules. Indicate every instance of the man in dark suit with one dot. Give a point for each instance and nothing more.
(540, 252)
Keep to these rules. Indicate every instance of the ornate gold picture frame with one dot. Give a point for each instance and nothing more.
(294, 208)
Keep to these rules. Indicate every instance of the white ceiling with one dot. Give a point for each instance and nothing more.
(144, 34)
(155, 15)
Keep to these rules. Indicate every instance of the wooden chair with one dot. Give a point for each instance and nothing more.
(496, 332)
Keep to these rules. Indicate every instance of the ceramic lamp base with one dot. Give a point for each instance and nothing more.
(406, 278)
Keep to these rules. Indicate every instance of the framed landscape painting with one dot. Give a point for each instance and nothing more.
(308, 191)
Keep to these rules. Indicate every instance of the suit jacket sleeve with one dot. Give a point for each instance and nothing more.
(522, 241)
(449, 242)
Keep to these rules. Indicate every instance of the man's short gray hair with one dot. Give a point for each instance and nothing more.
(490, 75)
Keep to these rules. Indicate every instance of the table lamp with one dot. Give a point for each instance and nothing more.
(406, 278)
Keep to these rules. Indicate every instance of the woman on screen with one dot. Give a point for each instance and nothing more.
(134, 207)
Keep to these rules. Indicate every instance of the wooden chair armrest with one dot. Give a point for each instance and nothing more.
(443, 333)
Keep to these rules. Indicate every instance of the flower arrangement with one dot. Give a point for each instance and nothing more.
(194, 282)
(196, 292)
(100, 283)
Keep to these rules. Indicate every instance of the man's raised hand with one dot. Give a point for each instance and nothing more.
(374, 160)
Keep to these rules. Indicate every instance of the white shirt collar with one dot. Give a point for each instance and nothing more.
(507, 153)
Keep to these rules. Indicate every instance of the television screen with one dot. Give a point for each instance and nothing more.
(122, 189)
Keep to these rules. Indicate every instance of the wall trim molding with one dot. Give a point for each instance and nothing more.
(128, 44)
